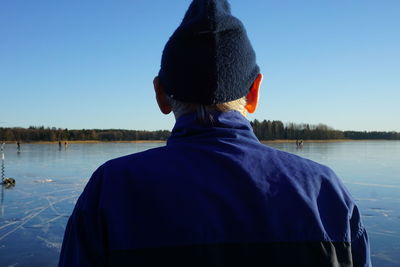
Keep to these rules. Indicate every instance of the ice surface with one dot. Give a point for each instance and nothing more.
(34, 213)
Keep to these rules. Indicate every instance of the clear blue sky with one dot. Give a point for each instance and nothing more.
(90, 64)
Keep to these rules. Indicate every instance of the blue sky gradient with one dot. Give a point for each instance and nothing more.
(90, 64)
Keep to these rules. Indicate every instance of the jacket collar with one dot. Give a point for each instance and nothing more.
(224, 125)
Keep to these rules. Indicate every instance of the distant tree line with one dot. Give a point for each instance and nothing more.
(372, 135)
(272, 130)
(264, 130)
(34, 133)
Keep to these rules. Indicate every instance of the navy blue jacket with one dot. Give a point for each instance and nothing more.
(214, 196)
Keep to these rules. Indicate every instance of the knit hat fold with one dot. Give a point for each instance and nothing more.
(209, 58)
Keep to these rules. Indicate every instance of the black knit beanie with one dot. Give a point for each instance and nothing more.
(209, 58)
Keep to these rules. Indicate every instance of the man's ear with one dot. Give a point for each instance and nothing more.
(162, 100)
(252, 96)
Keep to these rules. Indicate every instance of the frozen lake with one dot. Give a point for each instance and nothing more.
(33, 214)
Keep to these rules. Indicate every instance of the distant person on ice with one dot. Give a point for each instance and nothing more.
(214, 195)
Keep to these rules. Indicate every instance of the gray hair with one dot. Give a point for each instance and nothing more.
(203, 111)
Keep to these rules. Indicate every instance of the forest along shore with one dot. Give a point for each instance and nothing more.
(83, 142)
(164, 141)
(264, 130)
(319, 141)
